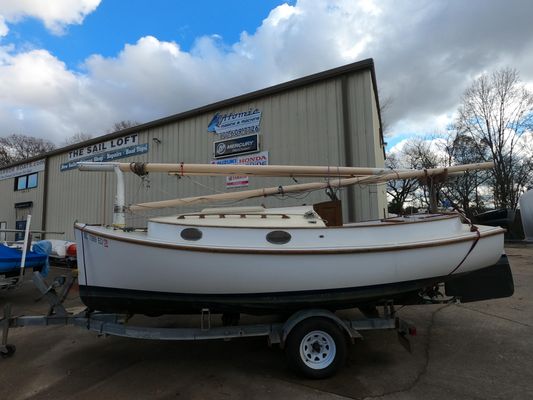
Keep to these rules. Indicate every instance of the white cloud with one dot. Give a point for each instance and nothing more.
(426, 53)
(3, 27)
(55, 14)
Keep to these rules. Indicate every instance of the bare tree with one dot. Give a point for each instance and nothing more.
(20, 147)
(416, 154)
(400, 191)
(77, 138)
(384, 108)
(121, 125)
(420, 155)
(5, 157)
(468, 191)
(497, 113)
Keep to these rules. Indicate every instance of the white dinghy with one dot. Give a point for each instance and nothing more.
(279, 259)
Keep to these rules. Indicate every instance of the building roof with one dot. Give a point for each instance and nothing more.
(367, 64)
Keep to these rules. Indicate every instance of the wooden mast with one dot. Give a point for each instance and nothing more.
(251, 170)
(370, 179)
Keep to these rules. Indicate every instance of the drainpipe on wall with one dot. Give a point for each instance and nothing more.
(45, 196)
(348, 155)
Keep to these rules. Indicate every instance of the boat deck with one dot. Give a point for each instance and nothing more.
(294, 217)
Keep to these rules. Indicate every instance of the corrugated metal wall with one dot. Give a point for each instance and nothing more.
(9, 197)
(306, 125)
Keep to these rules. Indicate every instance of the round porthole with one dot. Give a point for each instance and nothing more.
(191, 234)
(278, 237)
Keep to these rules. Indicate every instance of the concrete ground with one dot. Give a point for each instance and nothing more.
(478, 350)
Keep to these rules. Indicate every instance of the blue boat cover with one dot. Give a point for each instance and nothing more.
(10, 259)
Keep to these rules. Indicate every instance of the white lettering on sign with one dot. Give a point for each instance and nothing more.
(102, 147)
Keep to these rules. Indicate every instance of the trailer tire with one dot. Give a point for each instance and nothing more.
(10, 350)
(316, 348)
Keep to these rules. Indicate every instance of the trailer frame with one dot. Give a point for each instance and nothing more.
(118, 324)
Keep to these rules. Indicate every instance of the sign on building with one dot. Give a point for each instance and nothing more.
(250, 159)
(22, 169)
(103, 147)
(108, 156)
(235, 123)
(235, 146)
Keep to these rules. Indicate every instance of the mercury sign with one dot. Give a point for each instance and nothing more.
(238, 145)
(103, 147)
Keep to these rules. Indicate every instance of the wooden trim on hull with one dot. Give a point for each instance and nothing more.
(375, 249)
(159, 303)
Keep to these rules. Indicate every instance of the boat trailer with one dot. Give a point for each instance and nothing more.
(315, 339)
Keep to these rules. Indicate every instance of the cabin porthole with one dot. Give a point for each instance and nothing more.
(191, 234)
(278, 237)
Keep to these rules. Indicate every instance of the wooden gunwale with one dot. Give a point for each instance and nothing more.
(149, 243)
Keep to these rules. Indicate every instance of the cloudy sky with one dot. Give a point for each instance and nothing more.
(70, 66)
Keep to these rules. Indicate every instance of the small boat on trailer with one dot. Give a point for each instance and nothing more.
(257, 260)
(12, 268)
(14, 260)
(282, 260)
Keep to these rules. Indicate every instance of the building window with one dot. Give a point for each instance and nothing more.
(26, 181)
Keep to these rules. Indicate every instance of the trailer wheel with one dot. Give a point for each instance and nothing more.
(316, 348)
(10, 350)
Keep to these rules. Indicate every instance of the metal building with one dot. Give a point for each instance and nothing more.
(329, 118)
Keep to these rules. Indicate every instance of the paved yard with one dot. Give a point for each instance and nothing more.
(473, 351)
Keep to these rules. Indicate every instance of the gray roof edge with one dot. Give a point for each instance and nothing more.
(366, 64)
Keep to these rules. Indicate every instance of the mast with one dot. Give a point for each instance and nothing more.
(264, 192)
(355, 176)
(251, 170)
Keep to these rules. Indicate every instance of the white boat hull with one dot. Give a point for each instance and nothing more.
(139, 272)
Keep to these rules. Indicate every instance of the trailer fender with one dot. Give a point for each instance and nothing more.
(302, 315)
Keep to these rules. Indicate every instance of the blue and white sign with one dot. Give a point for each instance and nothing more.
(108, 156)
(235, 124)
(102, 147)
(234, 146)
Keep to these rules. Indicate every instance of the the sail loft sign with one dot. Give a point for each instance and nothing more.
(102, 147)
(125, 146)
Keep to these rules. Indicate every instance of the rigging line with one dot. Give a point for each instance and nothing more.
(204, 186)
(300, 196)
(476, 241)
(473, 228)
(337, 189)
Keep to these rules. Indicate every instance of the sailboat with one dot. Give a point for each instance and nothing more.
(257, 260)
